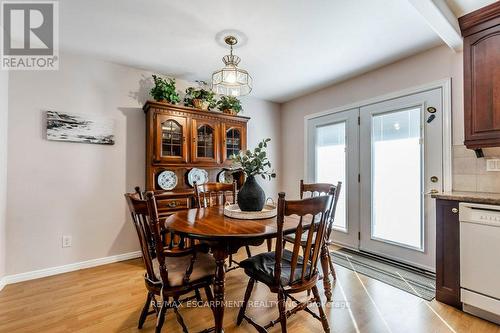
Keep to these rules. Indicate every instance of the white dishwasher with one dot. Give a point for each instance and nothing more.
(480, 260)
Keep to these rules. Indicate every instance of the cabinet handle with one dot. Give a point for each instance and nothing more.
(172, 204)
(454, 210)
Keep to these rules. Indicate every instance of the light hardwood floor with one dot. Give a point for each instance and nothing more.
(109, 298)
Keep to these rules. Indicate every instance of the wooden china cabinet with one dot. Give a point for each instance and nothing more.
(180, 138)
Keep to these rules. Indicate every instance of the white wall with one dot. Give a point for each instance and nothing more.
(58, 188)
(426, 67)
(265, 123)
(4, 85)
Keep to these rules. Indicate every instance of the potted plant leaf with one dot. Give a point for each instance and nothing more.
(229, 105)
(251, 197)
(164, 90)
(200, 98)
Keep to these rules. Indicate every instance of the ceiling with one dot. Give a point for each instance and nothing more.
(462, 7)
(290, 48)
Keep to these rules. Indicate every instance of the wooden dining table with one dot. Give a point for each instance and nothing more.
(226, 235)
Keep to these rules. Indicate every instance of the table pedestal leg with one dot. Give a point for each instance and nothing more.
(220, 256)
(326, 276)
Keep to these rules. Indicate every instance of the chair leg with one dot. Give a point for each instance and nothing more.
(145, 310)
(243, 308)
(197, 295)
(249, 254)
(180, 320)
(332, 269)
(210, 297)
(161, 314)
(269, 244)
(282, 309)
(324, 320)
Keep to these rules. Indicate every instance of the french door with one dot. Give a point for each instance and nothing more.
(389, 157)
(334, 141)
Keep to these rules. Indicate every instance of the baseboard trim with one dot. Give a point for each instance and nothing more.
(2, 283)
(15, 278)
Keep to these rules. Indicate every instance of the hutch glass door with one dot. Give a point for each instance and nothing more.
(170, 147)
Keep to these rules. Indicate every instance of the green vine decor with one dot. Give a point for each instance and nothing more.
(200, 98)
(164, 90)
(229, 104)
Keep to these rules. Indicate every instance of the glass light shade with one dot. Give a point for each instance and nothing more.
(231, 81)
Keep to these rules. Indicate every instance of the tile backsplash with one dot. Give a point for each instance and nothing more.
(469, 172)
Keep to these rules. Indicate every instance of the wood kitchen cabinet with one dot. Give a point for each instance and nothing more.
(448, 252)
(481, 32)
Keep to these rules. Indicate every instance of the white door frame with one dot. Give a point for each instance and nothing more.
(444, 84)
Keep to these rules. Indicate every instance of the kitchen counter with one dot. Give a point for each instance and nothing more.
(474, 197)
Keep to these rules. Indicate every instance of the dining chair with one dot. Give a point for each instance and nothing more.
(217, 194)
(313, 190)
(170, 239)
(286, 272)
(186, 269)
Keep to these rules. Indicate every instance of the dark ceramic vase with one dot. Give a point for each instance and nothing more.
(251, 197)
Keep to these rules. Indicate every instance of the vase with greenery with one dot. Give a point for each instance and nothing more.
(251, 197)
(164, 90)
(200, 98)
(230, 105)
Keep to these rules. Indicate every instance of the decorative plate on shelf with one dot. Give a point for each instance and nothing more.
(200, 176)
(226, 177)
(167, 180)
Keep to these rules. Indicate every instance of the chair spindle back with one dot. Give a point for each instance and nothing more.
(214, 194)
(317, 189)
(315, 209)
(140, 216)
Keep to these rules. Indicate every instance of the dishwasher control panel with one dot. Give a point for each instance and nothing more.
(478, 213)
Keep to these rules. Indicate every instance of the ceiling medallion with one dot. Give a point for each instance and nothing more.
(231, 80)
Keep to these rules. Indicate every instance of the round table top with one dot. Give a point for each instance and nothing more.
(211, 223)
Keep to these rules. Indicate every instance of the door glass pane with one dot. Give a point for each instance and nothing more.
(205, 145)
(171, 140)
(331, 164)
(233, 142)
(396, 178)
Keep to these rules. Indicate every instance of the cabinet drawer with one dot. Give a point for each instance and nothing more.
(173, 204)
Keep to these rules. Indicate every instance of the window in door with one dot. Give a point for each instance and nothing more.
(397, 177)
(330, 164)
(171, 142)
(233, 142)
(205, 142)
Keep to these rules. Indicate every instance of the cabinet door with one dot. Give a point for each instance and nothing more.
(205, 141)
(170, 139)
(234, 139)
(482, 88)
(448, 253)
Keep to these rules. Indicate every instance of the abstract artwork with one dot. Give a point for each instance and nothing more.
(80, 128)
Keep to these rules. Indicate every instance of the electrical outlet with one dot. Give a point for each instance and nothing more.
(66, 241)
(493, 164)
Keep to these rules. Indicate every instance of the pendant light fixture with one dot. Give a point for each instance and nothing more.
(231, 80)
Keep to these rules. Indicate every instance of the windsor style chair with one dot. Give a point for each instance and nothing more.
(286, 272)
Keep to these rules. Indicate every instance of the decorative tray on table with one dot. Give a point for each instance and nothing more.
(235, 212)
